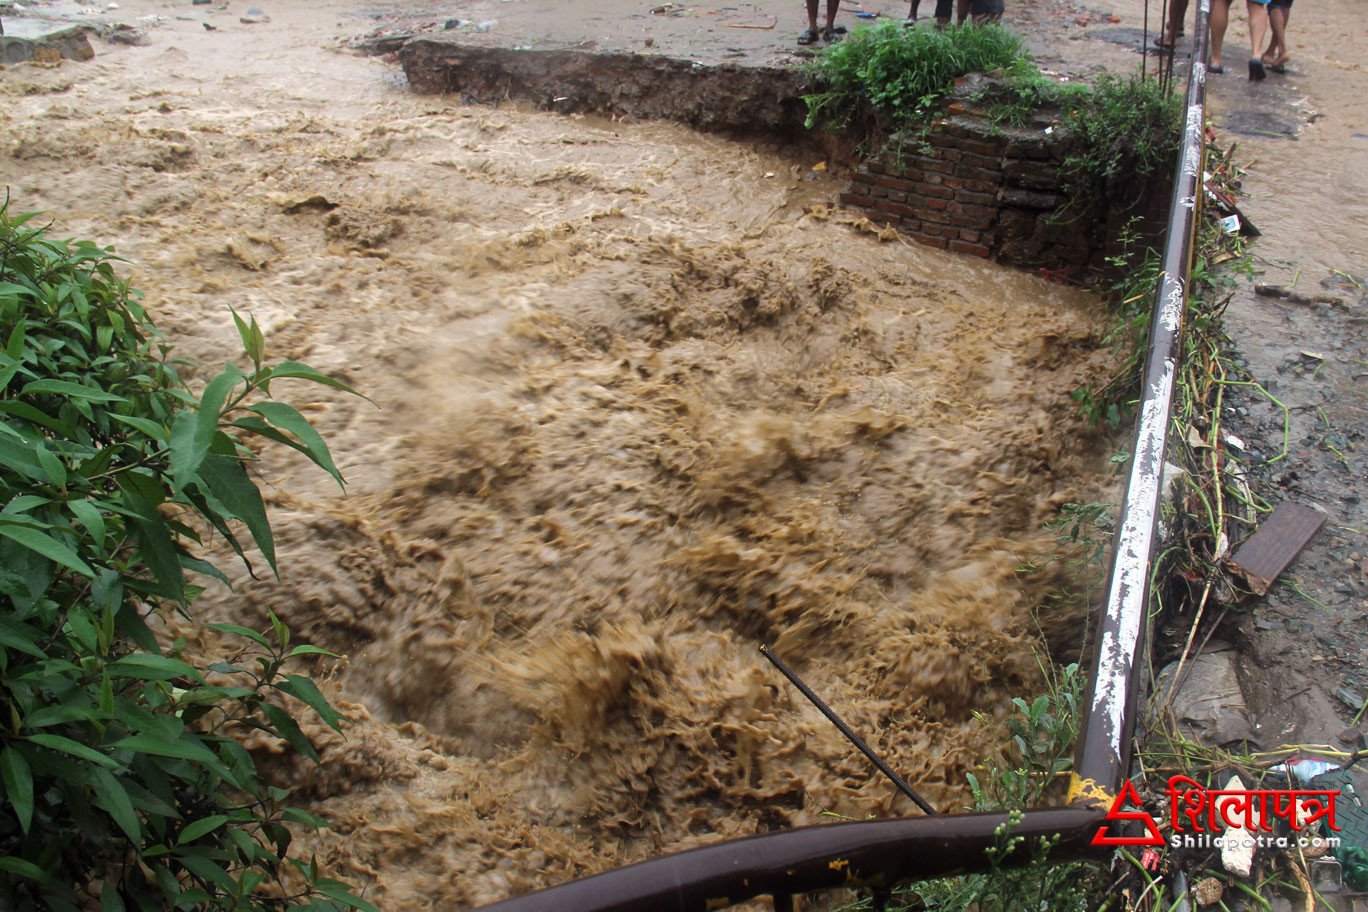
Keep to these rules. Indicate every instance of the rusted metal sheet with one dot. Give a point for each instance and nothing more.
(1268, 551)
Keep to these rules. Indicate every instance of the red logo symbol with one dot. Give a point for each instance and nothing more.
(1128, 794)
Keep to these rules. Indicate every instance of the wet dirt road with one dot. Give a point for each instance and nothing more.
(643, 406)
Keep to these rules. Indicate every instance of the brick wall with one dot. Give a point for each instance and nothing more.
(973, 187)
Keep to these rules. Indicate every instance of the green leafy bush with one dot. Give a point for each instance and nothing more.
(902, 74)
(123, 785)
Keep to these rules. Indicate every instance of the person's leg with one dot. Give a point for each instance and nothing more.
(961, 11)
(1258, 30)
(944, 10)
(912, 13)
(1177, 12)
(1220, 18)
(1277, 53)
(829, 33)
(810, 35)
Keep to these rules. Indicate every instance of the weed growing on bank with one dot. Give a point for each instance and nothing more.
(898, 76)
(124, 784)
(889, 79)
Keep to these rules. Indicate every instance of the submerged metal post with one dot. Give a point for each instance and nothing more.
(846, 730)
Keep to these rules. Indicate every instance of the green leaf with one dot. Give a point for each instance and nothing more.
(89, 515)
(146, 426)
(228, 481)
(288, 729)
(18, 780)
(181, 748)
(295, 815)
(286, 418)
(338, 891)
(199, 828)
(110, 901)
(192, 435)
(21, 458)
(20, 636)
(45, 545)
(114, 798)
(311, 650)
(242, 631)
(72, 390)
(154, 668)
(53, 466)
(75, 748)
(253, 342)
(304, 372)
(24, 869)
(205, 869)
(304, 689)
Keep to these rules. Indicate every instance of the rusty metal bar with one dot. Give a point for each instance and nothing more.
(867, 853)
(880, 853)
(846, 730)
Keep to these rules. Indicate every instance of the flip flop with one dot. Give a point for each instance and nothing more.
(1159, 43)
(1215, 70)
(832, 34)
(808, 37)
(1278, 67)
(1256, 69)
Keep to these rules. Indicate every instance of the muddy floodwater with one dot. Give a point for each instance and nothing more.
(642, 404)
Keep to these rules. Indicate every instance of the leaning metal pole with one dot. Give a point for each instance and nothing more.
(880, 853)
(1105, 738)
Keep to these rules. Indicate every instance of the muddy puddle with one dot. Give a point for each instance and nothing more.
(644, 404)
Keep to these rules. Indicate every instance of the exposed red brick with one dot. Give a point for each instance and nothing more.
(955, 108)
(856, 199)
(861, 177)
(968, 234)
(988, 175)
(987, 212)
(877, 167)
(980, 148)
(929, 240)
(942, 167)
(931, 216)
(949, 155)
(970, 221)
(895, 208)
(936, 204)
(893, 182)
(935, 178)
(934, 192)
(911, 224)
(977, 199)
(981, 186)
(978, 250)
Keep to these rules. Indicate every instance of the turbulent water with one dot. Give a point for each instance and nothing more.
(643, 406)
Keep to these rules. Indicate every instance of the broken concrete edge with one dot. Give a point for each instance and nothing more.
(710, 97)
(68, 43)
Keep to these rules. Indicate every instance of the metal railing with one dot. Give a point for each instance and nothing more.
(878, 854)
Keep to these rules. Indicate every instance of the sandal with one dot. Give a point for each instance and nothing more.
(1215, 69)
(1278, 67)
(1159, 43)
(832, 34)
(808, 37)
(1256, 69)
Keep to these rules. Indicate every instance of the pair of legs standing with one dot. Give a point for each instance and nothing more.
(829, 33)
(1258, 30)
(1262, 16)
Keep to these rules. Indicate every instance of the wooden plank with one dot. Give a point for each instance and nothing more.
(1267, 552)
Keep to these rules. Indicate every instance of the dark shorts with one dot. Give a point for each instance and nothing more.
(945, 9)
(1279, 4)
(985, 7)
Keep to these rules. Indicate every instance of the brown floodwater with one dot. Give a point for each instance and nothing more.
(642, 404)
